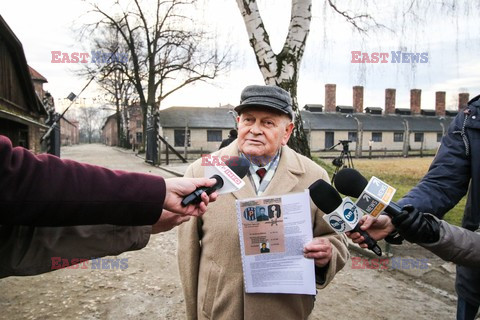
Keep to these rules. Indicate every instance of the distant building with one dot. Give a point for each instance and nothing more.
(383, 132)
(69, 132)
(389, 129)
(207, 127)
(135, 125)
(109, 131)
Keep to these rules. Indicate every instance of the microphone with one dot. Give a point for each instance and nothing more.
(229, 178)
(371, 195)
(341, 215)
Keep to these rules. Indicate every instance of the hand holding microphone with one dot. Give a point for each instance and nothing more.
(177, 188)
(227, 178)
(351, 183)
(327, 199)
(414, 226)
(378, 229)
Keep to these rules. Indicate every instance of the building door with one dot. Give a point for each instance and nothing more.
(329, 135)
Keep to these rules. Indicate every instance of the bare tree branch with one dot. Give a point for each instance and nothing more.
(163, 51)
(354, 19)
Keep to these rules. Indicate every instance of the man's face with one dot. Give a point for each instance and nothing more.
(262, 132)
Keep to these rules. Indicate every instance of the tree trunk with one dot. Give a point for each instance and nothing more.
(119, 119)
(298, 141)
(144, 107)
(281, 69)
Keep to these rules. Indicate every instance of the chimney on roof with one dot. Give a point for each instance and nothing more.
(358, 99)
(314, 107)
(330, 97)
(440, 103)
(463, 100)
(390, 96)
(415, 101)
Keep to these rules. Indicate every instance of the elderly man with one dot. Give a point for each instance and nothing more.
(209, 250)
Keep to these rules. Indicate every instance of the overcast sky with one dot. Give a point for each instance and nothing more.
(451, 42)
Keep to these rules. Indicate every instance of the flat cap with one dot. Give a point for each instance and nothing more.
(268, 96)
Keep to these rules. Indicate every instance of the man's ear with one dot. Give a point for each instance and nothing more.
(288, 133)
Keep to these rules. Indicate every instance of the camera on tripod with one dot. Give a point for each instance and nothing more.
(344, 160)
(345, 144)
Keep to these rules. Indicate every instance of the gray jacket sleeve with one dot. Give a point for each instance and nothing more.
(457, 245)
(28, 251)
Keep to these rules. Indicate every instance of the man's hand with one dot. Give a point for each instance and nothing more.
(378, 228)
(177, 188)
(319, 249)
(416, 226)
(168, 220)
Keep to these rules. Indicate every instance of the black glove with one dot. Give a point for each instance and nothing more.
(417, 227)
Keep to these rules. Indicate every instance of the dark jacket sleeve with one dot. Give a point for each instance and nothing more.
(448, 176)
(43, 190)
(28, 251)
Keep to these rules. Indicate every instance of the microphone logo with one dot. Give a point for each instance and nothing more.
(345, 217)
(233, 176)
(336, 223)
(375, 197)
(350, 212)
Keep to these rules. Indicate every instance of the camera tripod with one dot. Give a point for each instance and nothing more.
(344, 160)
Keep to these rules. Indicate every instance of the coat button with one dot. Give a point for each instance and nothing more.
(474, 117)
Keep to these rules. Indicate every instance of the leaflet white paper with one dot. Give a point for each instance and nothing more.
(273, 231)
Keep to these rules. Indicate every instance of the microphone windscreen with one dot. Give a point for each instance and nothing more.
(325, 197)
(239, 165)
(350, 182)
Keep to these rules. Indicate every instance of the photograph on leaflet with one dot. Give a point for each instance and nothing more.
(263, 227)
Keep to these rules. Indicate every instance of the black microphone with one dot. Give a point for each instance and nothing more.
(327, 199)
(351, 183)
(238, 165)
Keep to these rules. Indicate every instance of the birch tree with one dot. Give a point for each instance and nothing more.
(282, 69)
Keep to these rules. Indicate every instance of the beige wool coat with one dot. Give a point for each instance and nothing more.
(209, 249)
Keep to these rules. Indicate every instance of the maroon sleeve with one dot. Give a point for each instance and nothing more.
(43, 190)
